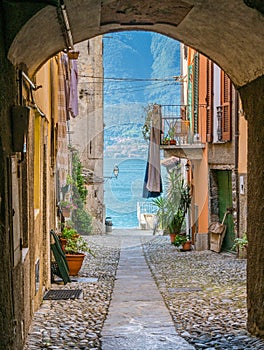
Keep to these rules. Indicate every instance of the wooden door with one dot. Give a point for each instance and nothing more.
(225, 201)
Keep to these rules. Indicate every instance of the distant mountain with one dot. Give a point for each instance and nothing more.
(132, 60)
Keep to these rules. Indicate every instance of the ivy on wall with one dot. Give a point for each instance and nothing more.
(81, 219)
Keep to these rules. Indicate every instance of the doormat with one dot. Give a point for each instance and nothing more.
(62, 294)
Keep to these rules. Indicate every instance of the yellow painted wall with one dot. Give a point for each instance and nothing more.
(44, 188)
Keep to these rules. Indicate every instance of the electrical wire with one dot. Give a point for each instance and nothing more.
(175, 78)
(113, 89)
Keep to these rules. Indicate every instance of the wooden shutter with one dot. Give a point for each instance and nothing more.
(196, 94)
(226, 102)
(210, 101)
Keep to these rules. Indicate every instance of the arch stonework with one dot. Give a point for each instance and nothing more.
(228, 32)
(231, 33)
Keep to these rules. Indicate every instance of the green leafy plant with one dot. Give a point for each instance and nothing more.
(68, 232)
(241, 242)
(82, 221)
(160, 203)
(177, 201)
(67, 205)
(179, 240)
(171, 133)
(78, 183)
(77, 246)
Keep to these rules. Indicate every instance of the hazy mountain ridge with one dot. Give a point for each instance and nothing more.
(136, 55)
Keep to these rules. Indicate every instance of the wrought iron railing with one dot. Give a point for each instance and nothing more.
(176, 127)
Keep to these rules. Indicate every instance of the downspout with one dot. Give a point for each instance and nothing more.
(66, 26)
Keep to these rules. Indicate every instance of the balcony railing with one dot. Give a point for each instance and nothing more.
(175, 126)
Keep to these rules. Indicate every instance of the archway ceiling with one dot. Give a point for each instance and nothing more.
(228, 32)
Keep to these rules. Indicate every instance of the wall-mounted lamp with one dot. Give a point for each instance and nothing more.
(187, 166)
(115, 173)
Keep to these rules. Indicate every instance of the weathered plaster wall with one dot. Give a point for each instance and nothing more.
(87, 128)
(7, 293)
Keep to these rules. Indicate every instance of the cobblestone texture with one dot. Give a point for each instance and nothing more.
(77, 324)
(205, 293)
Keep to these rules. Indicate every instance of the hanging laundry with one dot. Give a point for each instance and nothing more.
(65, 76)
(152, 183)
(73, 101)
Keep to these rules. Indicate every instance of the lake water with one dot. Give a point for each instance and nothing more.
(122, 194)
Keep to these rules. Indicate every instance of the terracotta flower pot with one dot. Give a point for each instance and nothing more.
(187, 246)
(75, 263)
(73, 55)
(172, 237)
(63, 242)
(66, 212)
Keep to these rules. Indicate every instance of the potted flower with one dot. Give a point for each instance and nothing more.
(66, 208)
(75, 250)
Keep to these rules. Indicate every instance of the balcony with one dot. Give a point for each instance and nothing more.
(177, 137)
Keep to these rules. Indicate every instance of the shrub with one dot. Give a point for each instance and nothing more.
(82, 221)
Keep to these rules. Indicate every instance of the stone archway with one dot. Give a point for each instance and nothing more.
(229, 33)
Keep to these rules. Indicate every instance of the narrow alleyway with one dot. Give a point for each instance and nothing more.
(125, 291)
(138, 317)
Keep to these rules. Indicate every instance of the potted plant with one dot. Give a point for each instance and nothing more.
(241, 244)
(75, 250)
(68, 232)
(174, 207)
(160, 203)
(171, 134)
(66, 208)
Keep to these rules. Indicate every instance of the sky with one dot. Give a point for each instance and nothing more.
(140, 55)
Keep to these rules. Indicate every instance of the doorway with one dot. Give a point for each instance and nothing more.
(224, 180)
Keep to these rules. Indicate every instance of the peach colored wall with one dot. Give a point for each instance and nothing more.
(243, 137)
(200, 181)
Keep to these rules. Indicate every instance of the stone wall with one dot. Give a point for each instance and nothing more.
(253, 106)
(87, 128)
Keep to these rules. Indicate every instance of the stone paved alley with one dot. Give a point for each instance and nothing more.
(205, 295)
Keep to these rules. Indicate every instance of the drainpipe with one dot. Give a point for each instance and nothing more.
(67, 28)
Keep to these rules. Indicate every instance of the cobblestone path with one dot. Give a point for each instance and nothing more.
(205, 293)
